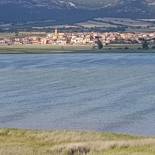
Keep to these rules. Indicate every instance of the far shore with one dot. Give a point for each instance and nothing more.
(41, 49)
(35, 142)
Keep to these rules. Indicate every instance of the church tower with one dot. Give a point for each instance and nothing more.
(56, 32)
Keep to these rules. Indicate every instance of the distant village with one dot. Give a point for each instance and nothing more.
(77, 38)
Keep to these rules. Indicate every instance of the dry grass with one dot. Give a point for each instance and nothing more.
(27, 142)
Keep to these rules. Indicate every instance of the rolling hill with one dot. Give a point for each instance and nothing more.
(70, 11)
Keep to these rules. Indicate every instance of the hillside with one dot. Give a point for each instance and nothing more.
(70, 11)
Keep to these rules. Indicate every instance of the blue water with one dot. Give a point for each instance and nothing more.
(101, 92)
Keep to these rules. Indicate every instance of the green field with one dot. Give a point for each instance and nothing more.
(54, 49)
(41, 49)
(31, 142)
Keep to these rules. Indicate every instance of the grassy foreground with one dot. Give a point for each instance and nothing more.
(28, 142)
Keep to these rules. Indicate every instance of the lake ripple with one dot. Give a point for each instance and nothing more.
(101, 92)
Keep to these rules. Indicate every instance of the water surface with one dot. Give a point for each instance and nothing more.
(101, 92)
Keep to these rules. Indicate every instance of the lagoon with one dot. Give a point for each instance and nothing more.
(112, 92)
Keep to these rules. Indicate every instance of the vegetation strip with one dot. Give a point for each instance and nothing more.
(30, 142)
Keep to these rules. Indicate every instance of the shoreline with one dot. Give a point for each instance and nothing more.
(20, 141)
(55, 49)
